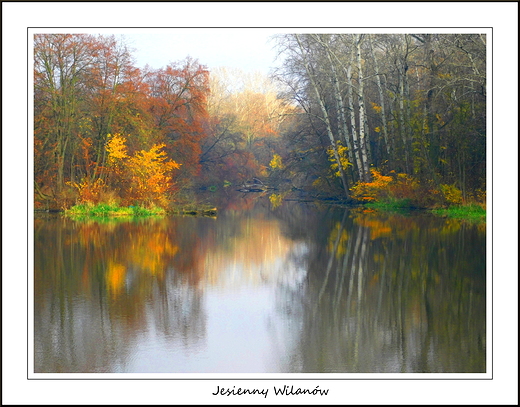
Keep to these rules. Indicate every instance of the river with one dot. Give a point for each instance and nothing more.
(266, 286)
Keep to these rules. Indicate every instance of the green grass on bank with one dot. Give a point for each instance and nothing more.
(104, 210)
(473, 213)
(391, 205)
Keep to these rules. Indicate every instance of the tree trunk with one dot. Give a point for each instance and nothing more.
(362, 116)
(325, 117)
(381, 97)
(340, 105)
(357, 155)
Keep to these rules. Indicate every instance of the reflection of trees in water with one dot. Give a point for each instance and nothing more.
(106, 286)
(252, 249)
(357, 292)
(98, 287)
(391, 294)
(176, 310)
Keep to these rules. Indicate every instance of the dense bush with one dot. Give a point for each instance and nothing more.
(404, 190)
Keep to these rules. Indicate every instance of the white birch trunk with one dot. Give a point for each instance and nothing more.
(402, 125)
(362, 116)
(325, 117)
(357, 155)
(340, 106)
(381, 97)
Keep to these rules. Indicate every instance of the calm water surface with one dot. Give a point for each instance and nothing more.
(262, 288)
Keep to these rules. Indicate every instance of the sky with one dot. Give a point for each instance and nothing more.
(248, 49)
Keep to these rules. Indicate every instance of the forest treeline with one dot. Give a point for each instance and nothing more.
(400, 115)
(362, 116)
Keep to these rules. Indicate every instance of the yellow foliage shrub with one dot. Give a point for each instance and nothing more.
(452, 194)
(89, 191)
(376, 107)
(343, 159)
(150, 179)
(372, 191)
(116, 147)
(144, 177)
(395, 187)
(276, 162)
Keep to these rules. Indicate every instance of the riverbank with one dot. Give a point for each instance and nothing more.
(470, 212)
(110, 210)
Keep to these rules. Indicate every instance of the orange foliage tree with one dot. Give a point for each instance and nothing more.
(86, 89)
(376, 190)
(178, 95)
(398, 187)
(151, 179)
(146, 177)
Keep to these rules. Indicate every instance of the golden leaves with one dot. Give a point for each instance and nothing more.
(276, 162)
(371, 191)
(376, 107)
(89, 191)
(452, 194)
(146, 175)
(116, 147)
(343, 159)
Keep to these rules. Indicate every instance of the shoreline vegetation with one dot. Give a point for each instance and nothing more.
(113, 210)
(392, 120)
(395, 193)
(472, 212)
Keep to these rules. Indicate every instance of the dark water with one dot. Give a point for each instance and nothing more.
(262, 288)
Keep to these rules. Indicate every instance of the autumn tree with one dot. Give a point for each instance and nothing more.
(409, 103)
(246, 117)
(178, 95)
(87, 88)
(144, 177)
(115, 103)
(62, 65)
(340, 107)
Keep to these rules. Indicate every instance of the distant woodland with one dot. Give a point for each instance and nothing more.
(362, 117)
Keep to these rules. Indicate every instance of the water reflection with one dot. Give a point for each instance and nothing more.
(393, 294)
(261, 288)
